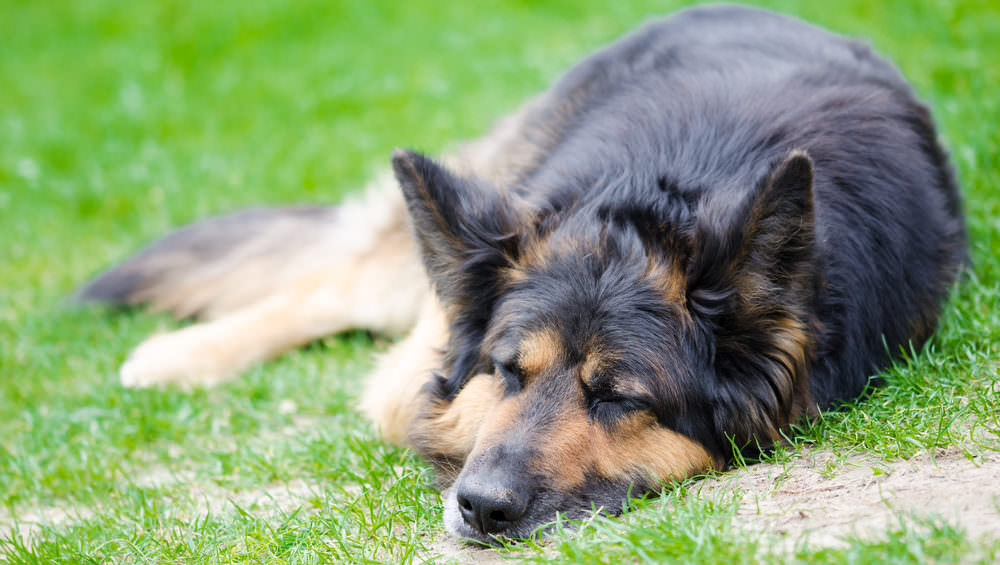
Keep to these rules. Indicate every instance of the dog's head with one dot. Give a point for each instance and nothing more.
(600, 347)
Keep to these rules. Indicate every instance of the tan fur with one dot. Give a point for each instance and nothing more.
(391, 395)
(538, 351)
(595, 363)
(538, 253)
(793, 341)
(577, 446)
(670, 279)
(455, 426)
(514, 275)
(499, 423)
(244, 277)
(406, 368)
(636, 448)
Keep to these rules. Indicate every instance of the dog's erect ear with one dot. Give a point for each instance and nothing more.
(770, 234)
(751, 280)
(465, 228)
(779, 229)
(434, 200)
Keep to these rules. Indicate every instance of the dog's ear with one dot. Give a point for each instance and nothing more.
(467, 232)
(751, 281)
(465, 228)
(769, 234)
(778, 227)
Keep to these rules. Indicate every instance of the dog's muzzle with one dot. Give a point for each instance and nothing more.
(494, 497)
(492, 502)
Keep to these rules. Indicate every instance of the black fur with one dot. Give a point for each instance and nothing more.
(791, 173)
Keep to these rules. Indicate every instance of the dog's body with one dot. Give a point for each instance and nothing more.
(723, 222)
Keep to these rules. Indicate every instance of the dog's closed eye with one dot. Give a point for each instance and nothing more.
(608, 406)
(510, 372)
(608, 411)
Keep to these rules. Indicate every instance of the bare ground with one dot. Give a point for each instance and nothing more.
(826, 497)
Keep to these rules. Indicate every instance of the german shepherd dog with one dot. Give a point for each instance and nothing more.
(721, 224)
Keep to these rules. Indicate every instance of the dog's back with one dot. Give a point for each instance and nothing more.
(714, 96)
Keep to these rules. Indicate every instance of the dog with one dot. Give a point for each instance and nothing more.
(721, 224)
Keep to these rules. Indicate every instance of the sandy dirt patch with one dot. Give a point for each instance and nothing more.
(827, 498)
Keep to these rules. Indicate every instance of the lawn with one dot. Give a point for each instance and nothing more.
(121, 120)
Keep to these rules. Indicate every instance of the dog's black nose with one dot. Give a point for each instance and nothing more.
(490, 509)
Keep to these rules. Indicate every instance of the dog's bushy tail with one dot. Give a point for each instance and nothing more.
(222, 264)
(215, 265)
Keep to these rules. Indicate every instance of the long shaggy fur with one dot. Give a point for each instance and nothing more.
(214, 266)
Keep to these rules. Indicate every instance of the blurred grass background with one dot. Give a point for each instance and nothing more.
(121, 120)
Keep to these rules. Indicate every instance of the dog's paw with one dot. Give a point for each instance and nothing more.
(186, 358)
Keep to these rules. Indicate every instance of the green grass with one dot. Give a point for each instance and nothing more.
(120, 120)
